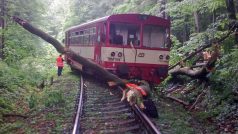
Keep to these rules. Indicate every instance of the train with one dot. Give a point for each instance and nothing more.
(132, 46)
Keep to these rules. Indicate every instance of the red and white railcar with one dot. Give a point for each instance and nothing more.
(129, 45)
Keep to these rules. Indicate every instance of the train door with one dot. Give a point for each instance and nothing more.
(133, 42)
(100, 42)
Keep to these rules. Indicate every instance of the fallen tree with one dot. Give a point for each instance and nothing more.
(97, 70)
(202, 72)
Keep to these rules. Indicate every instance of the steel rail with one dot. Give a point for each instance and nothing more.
(79, 108)
(144, 118)
(141, 116)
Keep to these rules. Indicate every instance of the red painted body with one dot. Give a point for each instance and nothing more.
(133, 55)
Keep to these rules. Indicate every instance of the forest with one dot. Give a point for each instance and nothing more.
(27, 64)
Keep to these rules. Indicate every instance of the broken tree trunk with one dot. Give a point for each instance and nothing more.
(203, 47)
(198, 73)
(98, 70)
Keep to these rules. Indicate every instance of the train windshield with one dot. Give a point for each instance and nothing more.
(124, 34)
(154, 36)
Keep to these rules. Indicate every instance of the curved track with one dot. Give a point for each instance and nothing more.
(100, 112)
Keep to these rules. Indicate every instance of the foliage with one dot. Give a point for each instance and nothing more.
(10, 78)
(4, 104)
(18, 45)
(28, 9)
(25, 60)
(32, 101)
(227, 72)
(54, 98)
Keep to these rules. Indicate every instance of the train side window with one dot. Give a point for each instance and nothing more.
(88, 36)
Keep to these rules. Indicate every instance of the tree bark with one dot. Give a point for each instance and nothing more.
(98, 70)
(196, 21)
(231, 9)
(195, 74)
(186, 29)
(162, 8)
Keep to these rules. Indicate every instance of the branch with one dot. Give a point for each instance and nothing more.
(204, 90)
(15, 115)
(202, 72)
(177, 100)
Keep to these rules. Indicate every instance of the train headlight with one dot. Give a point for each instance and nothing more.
(113, 54)
(119, 54)
(161, 57)
(167, 57)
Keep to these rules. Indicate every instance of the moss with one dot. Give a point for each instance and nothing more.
(4, 104)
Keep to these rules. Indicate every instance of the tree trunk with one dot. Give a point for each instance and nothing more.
(201, 49)
(196, 21)
(230, 5)
(98, 70)
(2, 25)
(162, 8)
(231, 9)
(186, 29)
(199, 73)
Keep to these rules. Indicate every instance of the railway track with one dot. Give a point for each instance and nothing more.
(100, 112)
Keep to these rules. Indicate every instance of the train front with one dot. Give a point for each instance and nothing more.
(137, 47)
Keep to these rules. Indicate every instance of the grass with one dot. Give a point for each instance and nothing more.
(48, 110)
(174, 119)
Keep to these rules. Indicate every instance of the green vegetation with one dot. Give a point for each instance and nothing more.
(51, 107)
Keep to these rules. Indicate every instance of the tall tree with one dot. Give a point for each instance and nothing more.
(231, 9)
(162, 7)
(2, 26)
(230, 5)
(196, 21)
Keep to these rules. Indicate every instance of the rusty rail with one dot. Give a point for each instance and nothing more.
(145, 120)
(79, 108)
(150, 127)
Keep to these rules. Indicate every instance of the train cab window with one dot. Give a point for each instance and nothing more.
(154, 36)
(124, 34)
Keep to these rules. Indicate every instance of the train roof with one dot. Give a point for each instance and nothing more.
(112, 17)
(89, 22)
